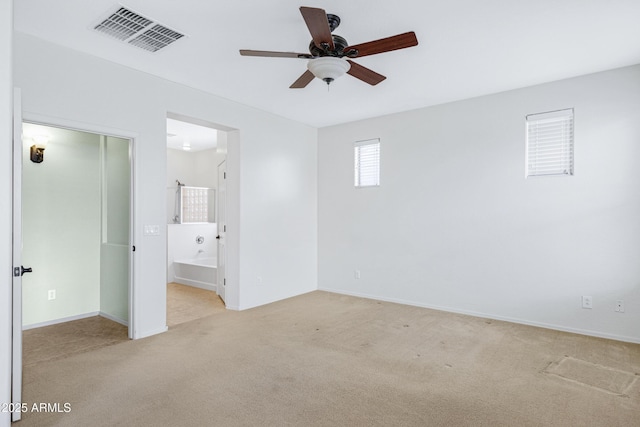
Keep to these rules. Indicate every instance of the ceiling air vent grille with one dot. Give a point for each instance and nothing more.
(130, 27)
(156, 38)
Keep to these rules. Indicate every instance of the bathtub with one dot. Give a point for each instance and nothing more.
(198, 272)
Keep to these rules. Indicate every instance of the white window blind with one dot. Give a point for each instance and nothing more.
(550, 143)
(367, 163)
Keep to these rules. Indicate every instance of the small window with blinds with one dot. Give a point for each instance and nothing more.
(550, 143)
(367, 163)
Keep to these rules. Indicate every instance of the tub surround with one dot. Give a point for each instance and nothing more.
(198, 272)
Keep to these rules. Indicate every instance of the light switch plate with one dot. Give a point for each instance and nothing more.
(151, 230)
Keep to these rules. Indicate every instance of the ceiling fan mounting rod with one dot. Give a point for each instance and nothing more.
(334, 21)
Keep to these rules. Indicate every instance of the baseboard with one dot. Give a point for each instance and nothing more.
(61, 320)
(196, 284)
(114, 318)
(554, 327)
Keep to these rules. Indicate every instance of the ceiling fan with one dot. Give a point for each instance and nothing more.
(330, 56)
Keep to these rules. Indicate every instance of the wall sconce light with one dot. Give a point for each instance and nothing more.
(37, 149)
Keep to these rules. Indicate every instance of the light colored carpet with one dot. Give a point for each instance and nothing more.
(604, 378)
(186, 303)
(323, 359)
(65, 339)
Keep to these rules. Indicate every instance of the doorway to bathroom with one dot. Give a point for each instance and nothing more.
(76, 238)
(194, 150)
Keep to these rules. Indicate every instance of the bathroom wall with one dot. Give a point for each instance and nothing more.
(195, 169)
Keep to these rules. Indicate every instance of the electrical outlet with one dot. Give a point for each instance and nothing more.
(619, 306)
(587, 302)
(51, 295)
(356, 274)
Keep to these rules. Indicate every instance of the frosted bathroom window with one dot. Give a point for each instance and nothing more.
(195, 204)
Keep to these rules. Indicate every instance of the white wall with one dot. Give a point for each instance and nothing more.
(278, 206)
(456, 226)
(6, 106)
(276, 234)
(61, 226)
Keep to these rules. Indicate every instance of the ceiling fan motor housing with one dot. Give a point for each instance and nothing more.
(339, 44)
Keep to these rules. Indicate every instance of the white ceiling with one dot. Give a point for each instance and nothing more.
(182, 134)
(467, 48)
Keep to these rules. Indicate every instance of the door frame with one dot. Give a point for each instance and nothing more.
(16, 258)
(222, 232)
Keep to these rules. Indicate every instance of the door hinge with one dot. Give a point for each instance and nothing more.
(134, 248)
(224, 282)
(224, 175)
(225, 228)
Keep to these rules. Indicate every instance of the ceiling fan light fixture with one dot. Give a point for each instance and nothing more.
(328, 68)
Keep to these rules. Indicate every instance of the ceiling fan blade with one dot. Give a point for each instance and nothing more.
(365, 74)
(270, 54)
(303, 80)
(388, 44)
(318, 25)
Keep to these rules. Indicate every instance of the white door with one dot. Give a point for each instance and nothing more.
(222, 228)
(18, 270)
